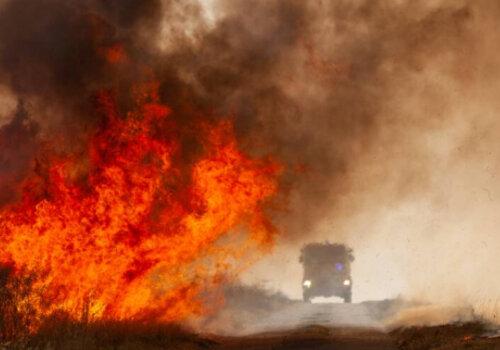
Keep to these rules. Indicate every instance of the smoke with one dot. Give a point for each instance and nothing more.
(425, 219)
(384, 113)
(18, 144)
(430, 315)
(308, 83)
(420, 204)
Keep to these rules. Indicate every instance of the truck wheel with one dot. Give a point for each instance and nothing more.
(347, 298)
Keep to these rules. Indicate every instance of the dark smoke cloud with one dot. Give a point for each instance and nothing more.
(18, 144)
(308, 82)
(305, 81)
(50, 49)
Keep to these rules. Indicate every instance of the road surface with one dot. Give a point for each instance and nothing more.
(299, 315)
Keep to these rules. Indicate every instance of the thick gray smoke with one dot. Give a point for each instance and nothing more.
(383, 112)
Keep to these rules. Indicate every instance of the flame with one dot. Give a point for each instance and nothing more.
(115, 54)
(138, 234)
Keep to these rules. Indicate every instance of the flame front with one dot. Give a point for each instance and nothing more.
(131, 235)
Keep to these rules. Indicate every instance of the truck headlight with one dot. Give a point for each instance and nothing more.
(307, 284)
(347, 282)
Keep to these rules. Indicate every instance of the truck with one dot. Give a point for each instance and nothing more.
(327, 271)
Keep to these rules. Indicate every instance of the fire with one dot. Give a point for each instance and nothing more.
(130, 231)
(115, 54)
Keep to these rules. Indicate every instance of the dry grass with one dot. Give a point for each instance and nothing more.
(62, 334)
(445, 337)
(119, 335)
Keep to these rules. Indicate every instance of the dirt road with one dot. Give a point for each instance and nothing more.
(339, 326)
(298, 315)
(313, 337)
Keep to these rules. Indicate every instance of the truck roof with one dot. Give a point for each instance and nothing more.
(325, 252)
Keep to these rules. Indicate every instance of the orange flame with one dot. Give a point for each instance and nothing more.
(115, 54)
(135, 239)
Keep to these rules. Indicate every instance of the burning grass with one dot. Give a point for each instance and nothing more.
(131, 230)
